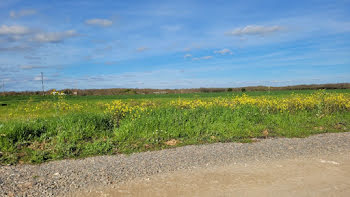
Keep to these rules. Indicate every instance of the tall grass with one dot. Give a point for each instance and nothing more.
(41, 139)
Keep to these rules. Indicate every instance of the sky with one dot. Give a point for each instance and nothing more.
(90, 44)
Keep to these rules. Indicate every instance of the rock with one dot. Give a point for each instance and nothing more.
(265, 133)
(171, 142)
(28, 185)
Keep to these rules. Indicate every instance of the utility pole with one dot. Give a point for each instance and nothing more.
(42, 82)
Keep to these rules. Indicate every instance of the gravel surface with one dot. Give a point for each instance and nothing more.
(59, 178)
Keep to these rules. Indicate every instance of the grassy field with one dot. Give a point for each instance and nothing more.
(35, 129)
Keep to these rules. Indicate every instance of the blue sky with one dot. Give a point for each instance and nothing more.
(173, 44)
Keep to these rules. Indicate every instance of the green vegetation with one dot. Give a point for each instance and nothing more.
(35, 129)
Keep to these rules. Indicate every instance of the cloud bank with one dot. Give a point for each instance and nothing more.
(22, 13)
(99, 22)
(202, 58)
(54, 37)
(224, 51)
(14, 30)
(254, 30)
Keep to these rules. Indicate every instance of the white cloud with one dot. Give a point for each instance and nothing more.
(21, 13)
(187, 56)
(202, 58)
(14, 30)
(141, 49)
(54, 37)
(99, 22)
(38, 78)
(224, 51)
(254, 30)
(206, 57)
(30, 67)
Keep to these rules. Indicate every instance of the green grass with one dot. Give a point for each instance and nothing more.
(53, 134)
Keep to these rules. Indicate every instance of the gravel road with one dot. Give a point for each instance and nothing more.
(66, 177)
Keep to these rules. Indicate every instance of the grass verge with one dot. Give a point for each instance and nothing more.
(85, 134)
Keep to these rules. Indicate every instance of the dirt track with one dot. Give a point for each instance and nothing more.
(318, 176)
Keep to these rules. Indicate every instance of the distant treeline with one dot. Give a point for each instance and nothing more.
(123, 91)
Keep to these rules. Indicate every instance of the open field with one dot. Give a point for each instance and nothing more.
(35, 129)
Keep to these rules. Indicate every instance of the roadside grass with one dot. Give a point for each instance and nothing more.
(38, 140)
(60, 128)
(243, 124)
